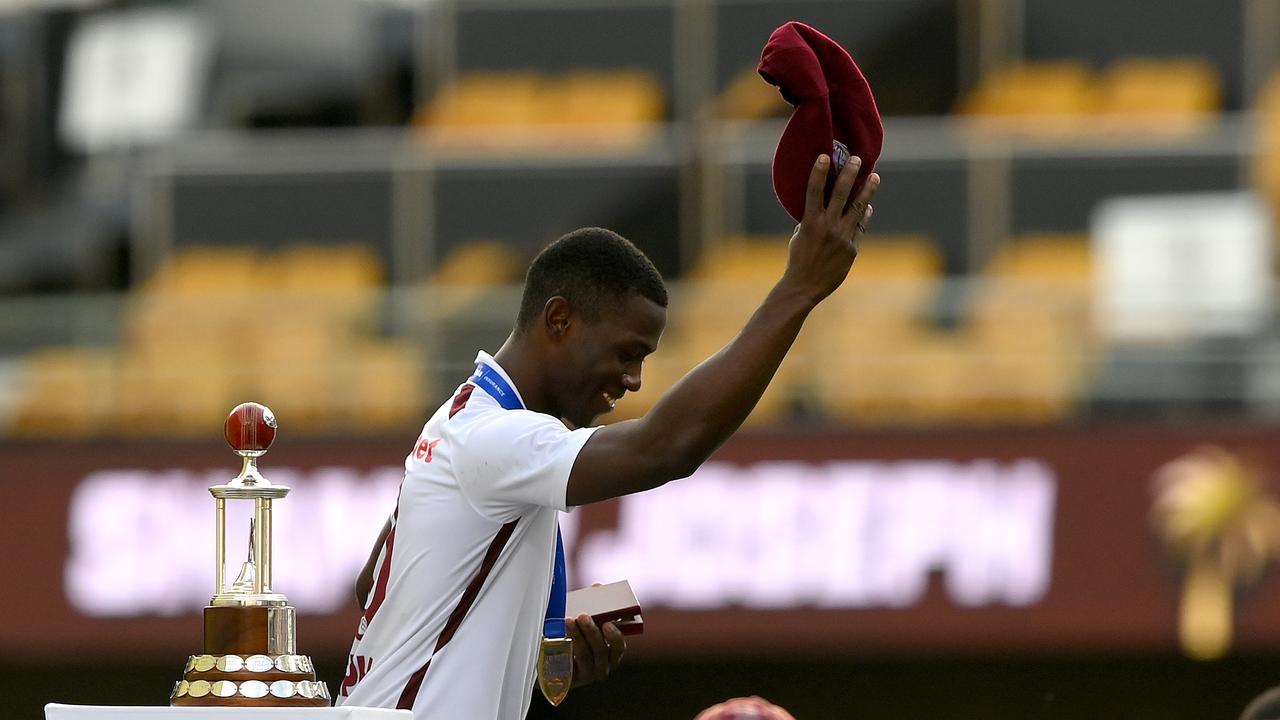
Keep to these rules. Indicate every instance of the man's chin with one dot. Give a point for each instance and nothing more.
(582, 421)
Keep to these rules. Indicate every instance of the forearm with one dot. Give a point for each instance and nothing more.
(705, 407)
(364, 581)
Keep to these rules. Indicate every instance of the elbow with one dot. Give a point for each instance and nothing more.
(682, 468)
(682, 460)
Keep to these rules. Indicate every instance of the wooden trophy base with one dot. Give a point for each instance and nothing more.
(249, 661)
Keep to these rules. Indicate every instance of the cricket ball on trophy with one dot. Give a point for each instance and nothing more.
(250, 428)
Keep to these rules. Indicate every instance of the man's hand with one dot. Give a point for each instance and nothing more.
(596, 650)
(826, 241)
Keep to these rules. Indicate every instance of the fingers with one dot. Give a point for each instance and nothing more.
(866, 218)
(571, 626)
(855, 220)
(817, 184)
(861, 230)
(844, 186)
(595, 651)
(617, 644)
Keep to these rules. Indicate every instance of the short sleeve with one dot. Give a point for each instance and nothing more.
(516, 460)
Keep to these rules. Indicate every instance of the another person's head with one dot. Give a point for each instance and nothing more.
(1264, 707)
(745, 708)
(595, 306)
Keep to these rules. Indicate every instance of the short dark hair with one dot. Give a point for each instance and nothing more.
(593, 269)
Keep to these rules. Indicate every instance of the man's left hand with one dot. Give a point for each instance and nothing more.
(597, 651)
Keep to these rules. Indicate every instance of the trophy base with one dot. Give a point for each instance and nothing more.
(250, 681)
(246, 630)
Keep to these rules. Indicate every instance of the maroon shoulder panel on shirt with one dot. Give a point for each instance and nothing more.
(460, 400)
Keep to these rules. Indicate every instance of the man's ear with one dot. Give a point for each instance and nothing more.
(556, 316)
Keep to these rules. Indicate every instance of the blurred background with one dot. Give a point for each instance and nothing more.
(1021, 465)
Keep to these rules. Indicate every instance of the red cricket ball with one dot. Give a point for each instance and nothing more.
(250, 427)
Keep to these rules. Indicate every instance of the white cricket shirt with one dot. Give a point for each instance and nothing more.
(453, 622)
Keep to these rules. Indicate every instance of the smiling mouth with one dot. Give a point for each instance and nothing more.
(609, 400)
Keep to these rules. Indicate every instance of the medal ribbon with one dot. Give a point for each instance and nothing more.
(492, 382)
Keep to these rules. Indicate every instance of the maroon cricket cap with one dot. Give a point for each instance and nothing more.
(835, 112)
(745, 708)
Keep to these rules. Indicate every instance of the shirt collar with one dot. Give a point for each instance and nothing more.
(484, 358)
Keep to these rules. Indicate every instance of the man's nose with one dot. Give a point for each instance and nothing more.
(631, 381)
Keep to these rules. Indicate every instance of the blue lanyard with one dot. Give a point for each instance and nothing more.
(492, 382)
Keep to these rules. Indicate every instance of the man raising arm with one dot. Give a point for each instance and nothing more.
(706, 406)
(462, 582)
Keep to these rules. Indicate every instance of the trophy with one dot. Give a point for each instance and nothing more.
(249, 659)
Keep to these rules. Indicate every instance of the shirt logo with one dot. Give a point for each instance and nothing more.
(839, 154)
(357, 667)
(423, 451)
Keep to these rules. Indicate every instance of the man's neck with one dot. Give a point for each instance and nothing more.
(517, 359)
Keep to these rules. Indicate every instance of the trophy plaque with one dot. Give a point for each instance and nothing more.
(249, 658)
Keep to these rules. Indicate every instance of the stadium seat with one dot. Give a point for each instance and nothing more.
(727, 285)
(1160, 97)
(291, 329)
(340, 283)
(182, 389)
(616, 108)
(749, 97)
(471, 270)
(485, 99)
(873, 332)
(1031, 316)
(326, 267)
(1266, 165)
(67, 392)
(206, 270)
(530, 111)
(382, 386)
(1039, 99)
(295, 370)
(914, 378)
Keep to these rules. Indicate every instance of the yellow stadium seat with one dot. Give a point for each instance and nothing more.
(1043, 99)
(724, 288)
(486, 99)
(208, 271)
(326, 268)
(470, 271)
(68, 392)
(1266, 165)
(530, 111)
(479, 263)
(340, 285)
(918, 379)
(1031, 315)
(383, 386)
(1160, 97)
(1061, 257)
(179, 389)
(893, 282)
(624, 97)
(749, 97)
(864, 327)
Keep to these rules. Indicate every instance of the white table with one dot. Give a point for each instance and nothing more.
(54, 711)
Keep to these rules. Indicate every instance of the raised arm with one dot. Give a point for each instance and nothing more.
(706, 406)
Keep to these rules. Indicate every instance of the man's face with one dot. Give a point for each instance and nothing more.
(602, 358)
